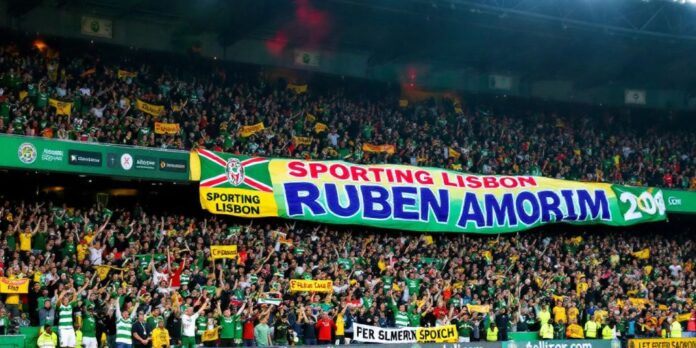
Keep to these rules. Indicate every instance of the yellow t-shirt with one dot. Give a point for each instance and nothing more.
(573, 313)
(12, 299)
(575, 331)
(340, 325)
(81, 252)
(25, 241)
(88, 238)
(559, 314)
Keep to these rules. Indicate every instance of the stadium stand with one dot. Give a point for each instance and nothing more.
(211, 105)
(142, 275)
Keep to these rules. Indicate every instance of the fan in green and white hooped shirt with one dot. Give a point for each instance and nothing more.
(65, 315)
(124, 324)
(400, 315)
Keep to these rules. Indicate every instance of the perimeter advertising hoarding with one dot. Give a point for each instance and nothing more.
(35, 153)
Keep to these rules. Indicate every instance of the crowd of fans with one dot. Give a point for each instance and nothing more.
(142, 279)
(212, 104)
(162, 285)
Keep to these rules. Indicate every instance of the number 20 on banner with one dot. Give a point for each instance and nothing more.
(645, 203)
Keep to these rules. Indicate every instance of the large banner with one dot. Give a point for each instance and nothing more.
(413, 198)
(35, 153)
(373, 334)
(680, 201)
(663, 342)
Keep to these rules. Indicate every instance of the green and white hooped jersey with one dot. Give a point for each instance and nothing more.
(123, 331)
(65, 316)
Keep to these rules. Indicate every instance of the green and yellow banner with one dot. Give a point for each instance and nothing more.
(413, 198)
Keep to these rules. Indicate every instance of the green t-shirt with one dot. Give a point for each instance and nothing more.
(228, 327)
(89, 327)
(238, 329)
(5, 110)
(413, 286)
(201, 324)
(42, 100)
(210, 289)
(69, 249)
(414, 318)
(79, 279)
(151, 321)
(464, 328)
(345, 263)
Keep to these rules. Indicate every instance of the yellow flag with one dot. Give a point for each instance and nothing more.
(382, 265)
(152, 109)
(14, 286)
(166, 128)
(311, 285)
(478, 308)
(62, 108)
(209, 335)
(310, 117)
(454, 153)
(638, 302)
(22, 95)
(223, 251)
(684, 317)
(403, 103)
(102, 271)
(642, 254)
(428, 239)
(88, 72)
(122, 74)
(320, 127)
(302, 140)
(246, 131)
(299, 89)
(390, 149)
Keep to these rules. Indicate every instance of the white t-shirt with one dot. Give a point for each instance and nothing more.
(95, 256)
(188, 325)
(675, 270)
(157, 277)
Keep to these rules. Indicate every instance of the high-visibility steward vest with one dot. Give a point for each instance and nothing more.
(78, 338)
(47, 341)
(675, 330)
(492, 335)
(590, 329)
(607, 333)
(546, 331)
